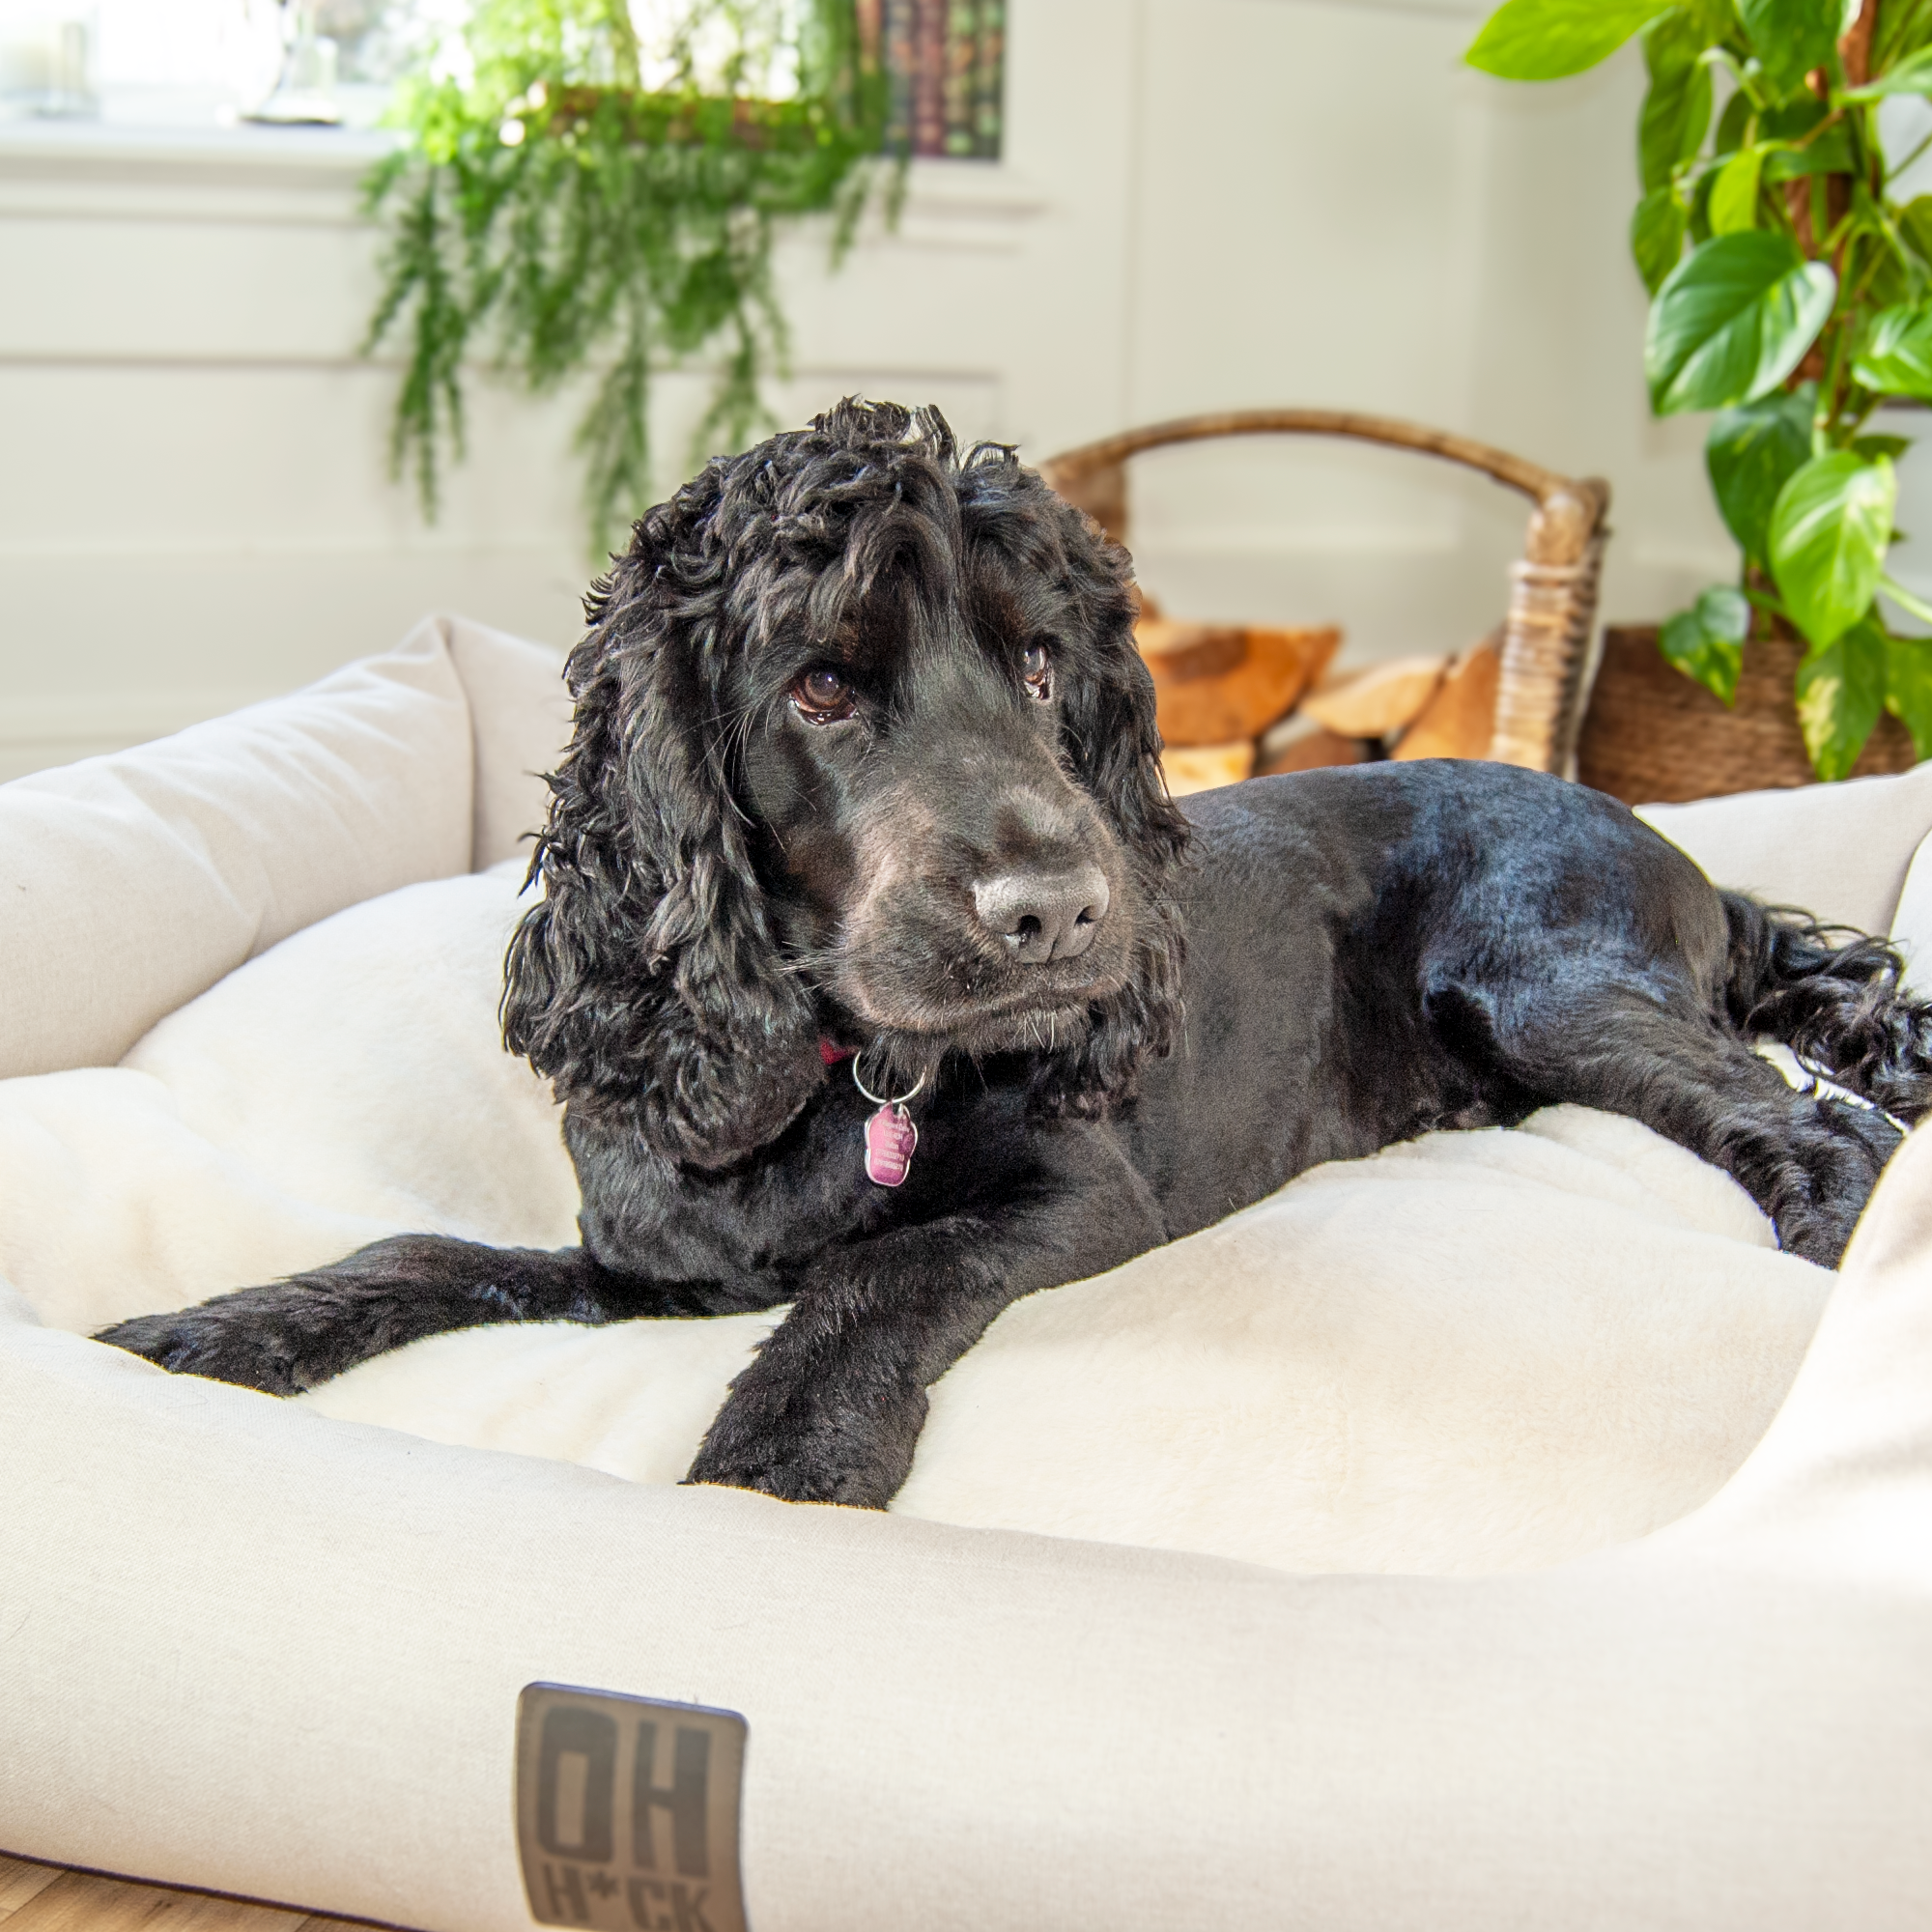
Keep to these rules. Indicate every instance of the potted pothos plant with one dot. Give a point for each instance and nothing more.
(1791, 293)
(575, 203)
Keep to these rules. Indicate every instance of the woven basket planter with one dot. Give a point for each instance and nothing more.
(1543, 639)
(1650, 736)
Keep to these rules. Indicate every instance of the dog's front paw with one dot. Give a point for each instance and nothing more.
(813, 1452)
(245, 1339)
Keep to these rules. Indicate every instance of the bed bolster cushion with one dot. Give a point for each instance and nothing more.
(520, 711)
(281, 1656)
(1841, 851)
(132, 882)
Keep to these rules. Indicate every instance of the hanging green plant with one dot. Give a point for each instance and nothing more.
(576, 208)
(1803, 301)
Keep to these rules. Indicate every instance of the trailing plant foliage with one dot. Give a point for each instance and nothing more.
(551, 203)
(1791, 291)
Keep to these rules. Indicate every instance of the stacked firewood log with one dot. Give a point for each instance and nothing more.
(1237, 701)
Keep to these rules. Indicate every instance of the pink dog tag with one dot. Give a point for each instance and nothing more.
(889, 1139)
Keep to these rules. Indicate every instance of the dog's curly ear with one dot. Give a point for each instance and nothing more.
(1114, 745)
(647, 982)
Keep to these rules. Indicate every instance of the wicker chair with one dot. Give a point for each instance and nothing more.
(1552, 604)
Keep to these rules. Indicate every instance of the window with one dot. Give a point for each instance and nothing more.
(196, 62)
(201, 60)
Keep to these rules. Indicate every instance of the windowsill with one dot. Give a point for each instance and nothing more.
(187, 171)
(106, 146)
(114, 141)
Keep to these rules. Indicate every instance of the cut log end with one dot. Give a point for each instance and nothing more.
(1215, 683)
(1378, 700)
(1459, 719)
(1192, 768)
(1309, 751)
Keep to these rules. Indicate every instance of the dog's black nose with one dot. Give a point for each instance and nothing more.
(1044, 915)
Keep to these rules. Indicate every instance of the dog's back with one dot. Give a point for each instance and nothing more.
(1379, 950)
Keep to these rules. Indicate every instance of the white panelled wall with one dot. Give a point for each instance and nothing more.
(1204, 204)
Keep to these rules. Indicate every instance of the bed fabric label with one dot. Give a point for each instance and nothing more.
(627, 1811)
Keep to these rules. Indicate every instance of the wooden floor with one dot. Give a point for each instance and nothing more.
(50, 1899)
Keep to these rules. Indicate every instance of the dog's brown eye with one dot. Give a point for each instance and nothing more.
(1035, 662)
(822, 694)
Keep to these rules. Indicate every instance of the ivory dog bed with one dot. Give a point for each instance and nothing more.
(256, 1646)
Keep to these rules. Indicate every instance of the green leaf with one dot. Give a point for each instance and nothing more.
(1794, 119)
(1733, 319)
(1826, 153)
(1707, 641)
(1725, 612)
(1792, 36)
(1752, 452)
(1841, 690)
(1544, 40)
(1896, 358)
(1914, 223)
(1913, 75)
(1908, 688)
(1731, 123)
(1700, 206)
(1829, 529)
(1902, 27)
(1889, 280)
(1734, 196)
(1677, 109)
(1657, 235)
(1714, 20)
(1871, 446)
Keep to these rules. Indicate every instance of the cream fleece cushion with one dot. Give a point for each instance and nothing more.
(1365, 1372)
(1472, 1353)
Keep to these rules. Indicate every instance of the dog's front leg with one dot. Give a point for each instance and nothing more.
(292, 1335)
(831, 1409)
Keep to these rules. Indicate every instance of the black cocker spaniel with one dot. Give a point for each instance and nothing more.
(881, 977)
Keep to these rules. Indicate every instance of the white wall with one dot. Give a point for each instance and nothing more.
(1204, 203)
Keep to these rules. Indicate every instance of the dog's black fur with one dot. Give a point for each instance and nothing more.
(864, 754)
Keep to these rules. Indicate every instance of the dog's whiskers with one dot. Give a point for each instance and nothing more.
(735, 729)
